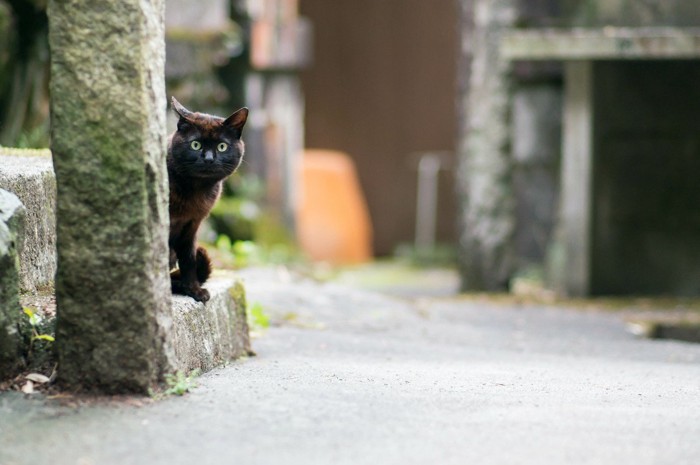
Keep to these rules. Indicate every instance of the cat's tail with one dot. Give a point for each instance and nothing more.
(202, 265)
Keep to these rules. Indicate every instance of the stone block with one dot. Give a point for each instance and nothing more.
(109, 144)
(205, 336)
(11, 228)
(29, 175)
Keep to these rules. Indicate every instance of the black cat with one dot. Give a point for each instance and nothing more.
(202, 152)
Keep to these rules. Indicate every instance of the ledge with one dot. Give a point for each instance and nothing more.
(28, 174)
(207, 335)
(685, 328)
(608, 43)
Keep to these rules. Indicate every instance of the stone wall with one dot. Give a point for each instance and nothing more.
(11, 231)
(29, 175)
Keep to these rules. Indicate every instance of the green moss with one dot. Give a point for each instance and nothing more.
(237, 293)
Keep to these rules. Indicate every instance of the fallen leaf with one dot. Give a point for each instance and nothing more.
(37, 378)
(28, 388)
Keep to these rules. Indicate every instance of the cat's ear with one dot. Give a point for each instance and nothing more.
(183, 112)
(237, 119)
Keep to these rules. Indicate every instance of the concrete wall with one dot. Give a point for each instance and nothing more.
(646, 195)
(383, 86)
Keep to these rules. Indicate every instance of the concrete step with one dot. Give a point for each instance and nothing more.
(208, 335)
(29, 175)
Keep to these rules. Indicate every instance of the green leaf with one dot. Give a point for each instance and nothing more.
(34, 319)
(45, 337)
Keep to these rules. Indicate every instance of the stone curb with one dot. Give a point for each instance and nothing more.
(29, 175)
(685, 328)
(12, 217)
(205, 336)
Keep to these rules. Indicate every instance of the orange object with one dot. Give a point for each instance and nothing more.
(333, 222)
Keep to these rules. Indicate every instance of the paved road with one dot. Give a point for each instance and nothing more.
(351, 377)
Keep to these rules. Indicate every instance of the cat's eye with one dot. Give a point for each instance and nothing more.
(196, 145)
(222, 147)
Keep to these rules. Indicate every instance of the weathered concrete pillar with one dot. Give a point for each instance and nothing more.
(573, 276)
(11, 228)
(108, 142)
(536, 148)
(487, 205)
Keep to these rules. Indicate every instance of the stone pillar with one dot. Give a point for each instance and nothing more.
(487, 206)
(11, 228)
(108, 142)
(574, 273)
(536, 148)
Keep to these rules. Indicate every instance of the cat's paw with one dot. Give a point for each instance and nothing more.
(200, 295)
(195, 291)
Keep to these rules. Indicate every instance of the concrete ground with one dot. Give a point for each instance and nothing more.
(346, 376)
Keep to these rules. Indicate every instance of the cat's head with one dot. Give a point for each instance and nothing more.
(206, 146)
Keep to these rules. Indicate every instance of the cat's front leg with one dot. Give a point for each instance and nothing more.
(185, 282)
(195, 291)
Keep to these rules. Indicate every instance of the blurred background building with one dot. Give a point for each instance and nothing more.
(580, 114)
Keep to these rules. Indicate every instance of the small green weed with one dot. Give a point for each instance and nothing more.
(34, 321)
(178, 383)
(257, 318)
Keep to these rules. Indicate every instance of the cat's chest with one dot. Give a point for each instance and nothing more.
(192, 204)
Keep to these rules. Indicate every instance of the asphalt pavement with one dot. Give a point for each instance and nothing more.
(350, 376)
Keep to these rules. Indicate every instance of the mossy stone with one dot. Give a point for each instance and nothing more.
(11, 230)
(108, 144)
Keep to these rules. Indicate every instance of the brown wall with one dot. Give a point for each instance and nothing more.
(382, 87)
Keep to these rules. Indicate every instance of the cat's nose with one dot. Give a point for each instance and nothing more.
(209, 156)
